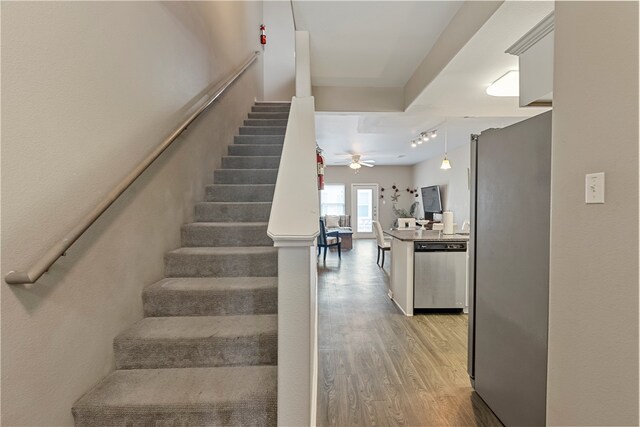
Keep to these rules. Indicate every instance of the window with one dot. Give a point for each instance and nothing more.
(332, 200)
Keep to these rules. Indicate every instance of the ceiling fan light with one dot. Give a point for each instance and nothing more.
(445, 163)
(355, 165)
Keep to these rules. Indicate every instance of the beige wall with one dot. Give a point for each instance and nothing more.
(279, 53)
(384, 176)
(454, 183)
(593, 310)
(88, 88)
(338, 98)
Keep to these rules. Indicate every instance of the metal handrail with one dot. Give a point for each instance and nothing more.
(51, 256)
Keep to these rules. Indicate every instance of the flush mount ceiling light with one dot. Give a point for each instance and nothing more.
(507, 85)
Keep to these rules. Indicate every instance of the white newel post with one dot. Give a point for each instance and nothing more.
(297, 326)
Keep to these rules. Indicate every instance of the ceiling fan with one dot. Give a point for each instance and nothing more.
(357, 163)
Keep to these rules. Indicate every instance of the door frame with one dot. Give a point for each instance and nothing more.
(354, 209)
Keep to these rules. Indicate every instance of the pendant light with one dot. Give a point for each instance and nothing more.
(446, 165)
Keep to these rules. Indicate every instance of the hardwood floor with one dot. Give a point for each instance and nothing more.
(378, 367)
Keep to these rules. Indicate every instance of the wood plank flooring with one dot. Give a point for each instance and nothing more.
(378, 367)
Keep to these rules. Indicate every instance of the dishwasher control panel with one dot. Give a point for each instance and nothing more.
(440, 246)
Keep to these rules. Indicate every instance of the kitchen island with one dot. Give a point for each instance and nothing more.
(401, 289)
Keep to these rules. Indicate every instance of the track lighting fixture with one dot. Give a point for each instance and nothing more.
(423, 137)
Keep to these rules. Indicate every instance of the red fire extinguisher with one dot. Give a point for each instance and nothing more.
(263, 35)
(320, 163)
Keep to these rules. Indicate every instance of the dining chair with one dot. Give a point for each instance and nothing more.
(323, 242)
(383, 245)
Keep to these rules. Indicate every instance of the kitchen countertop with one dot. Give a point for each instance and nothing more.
(425, 236)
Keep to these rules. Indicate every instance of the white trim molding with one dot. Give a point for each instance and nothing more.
(532, 37)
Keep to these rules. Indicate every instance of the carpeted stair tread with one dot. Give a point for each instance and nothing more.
(238, 395)
(269, 115)
(246, 250)
(258, 139)
(265, 122)
(270, 108)
(262, 130)
(255, 150)
(226, 234)
(239, 193)
(232, 211)
(248, 261)
(199, 327)
(250, 162)
(198, 341)
(285, 103)
(211, 296)
(245, 176)
(212, 284)
(227, 225)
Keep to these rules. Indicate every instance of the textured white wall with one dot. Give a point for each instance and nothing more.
(88, 88)
(593, 291)
(279, 53)
(454, 183)
(384, 176)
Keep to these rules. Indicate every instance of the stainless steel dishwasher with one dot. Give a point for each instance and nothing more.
(439, 275)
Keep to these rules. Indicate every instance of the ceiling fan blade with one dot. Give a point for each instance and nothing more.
(366, 164)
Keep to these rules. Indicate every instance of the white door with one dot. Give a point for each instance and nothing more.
(364, 210)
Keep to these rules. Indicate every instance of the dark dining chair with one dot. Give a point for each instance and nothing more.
(324, 243)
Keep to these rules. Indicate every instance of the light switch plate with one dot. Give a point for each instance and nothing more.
(594, 188)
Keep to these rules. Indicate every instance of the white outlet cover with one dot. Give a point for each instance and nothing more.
(594, 188)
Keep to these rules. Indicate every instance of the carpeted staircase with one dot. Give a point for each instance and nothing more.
(206, 352)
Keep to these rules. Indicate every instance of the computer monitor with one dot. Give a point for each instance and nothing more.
(431, 201)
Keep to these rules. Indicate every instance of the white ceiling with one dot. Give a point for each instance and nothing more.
(370, 43)
(455, 99)
(385, 137)
(460, 89)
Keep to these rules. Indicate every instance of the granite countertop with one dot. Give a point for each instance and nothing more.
(425, 236)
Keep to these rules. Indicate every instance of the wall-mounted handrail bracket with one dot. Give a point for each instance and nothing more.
(42, 265)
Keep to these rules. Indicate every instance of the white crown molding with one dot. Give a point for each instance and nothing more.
(532, 37)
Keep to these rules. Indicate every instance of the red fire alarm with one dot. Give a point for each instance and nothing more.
(263, 35)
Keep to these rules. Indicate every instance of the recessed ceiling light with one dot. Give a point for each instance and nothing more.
(507, 85)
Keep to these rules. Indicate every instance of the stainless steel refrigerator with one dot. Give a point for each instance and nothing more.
(509, 269)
